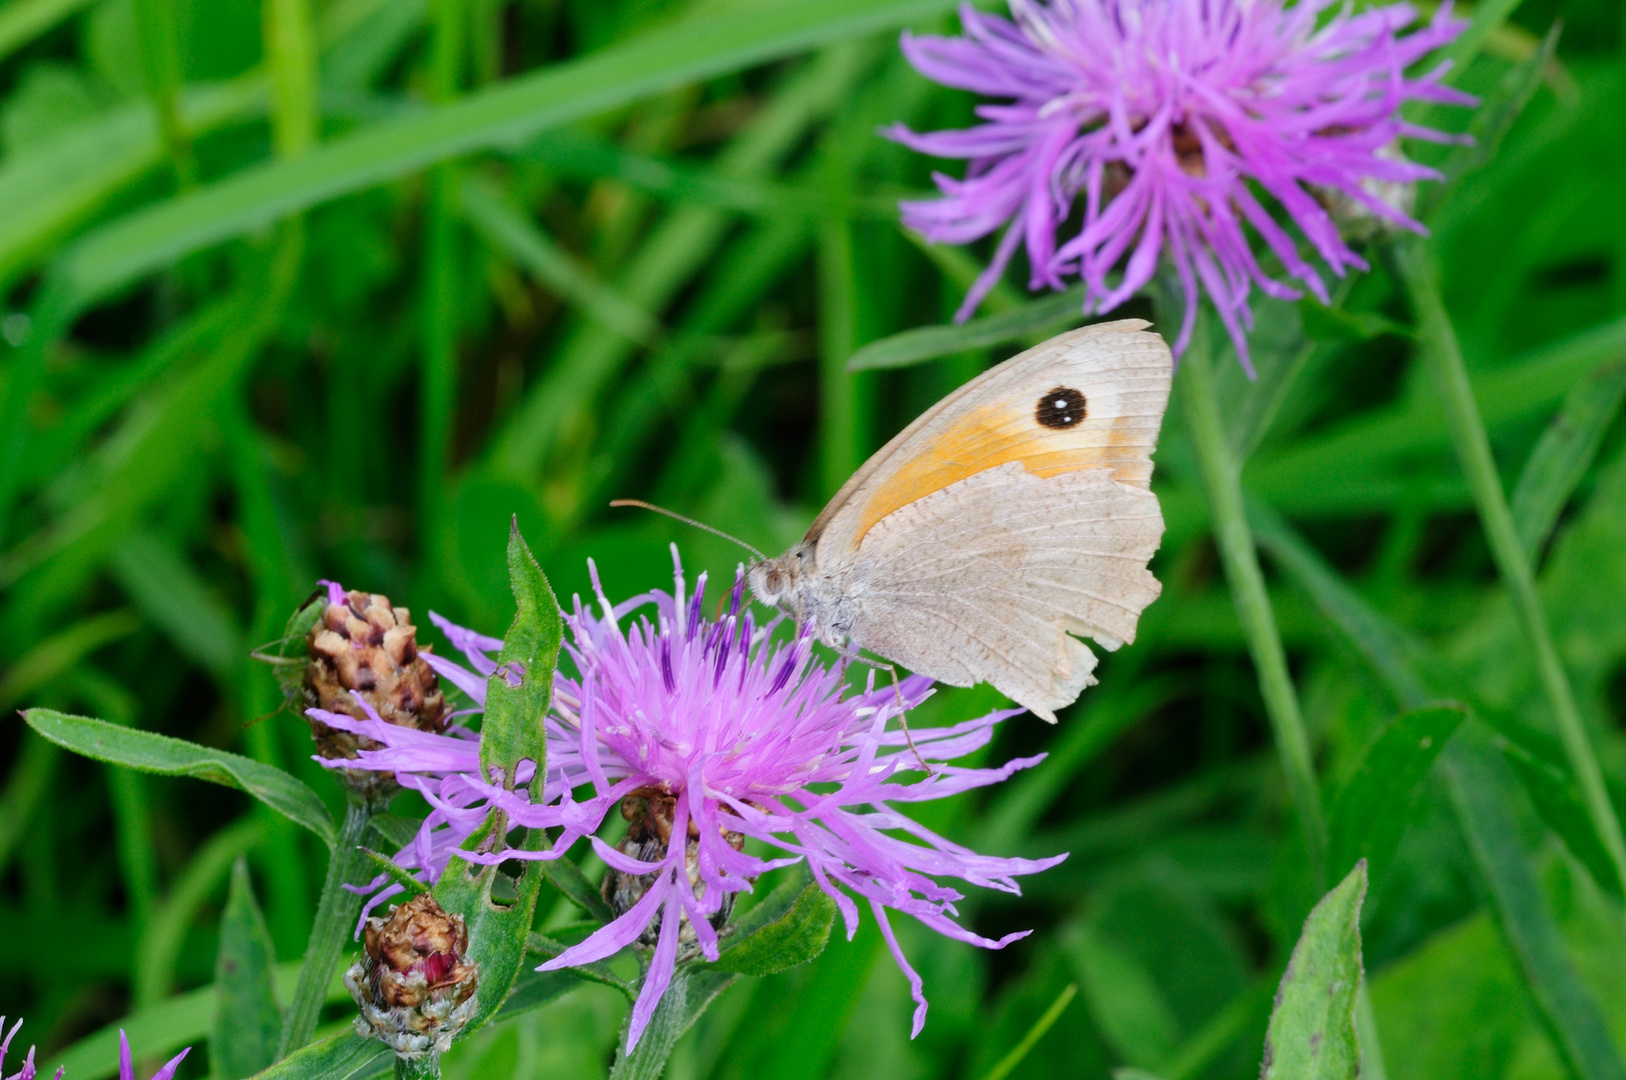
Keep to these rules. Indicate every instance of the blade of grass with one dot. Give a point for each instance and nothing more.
(21, 21)
(169, 591)
(507, 230)
(158, 44)
(1045, 316)
(161, 938)
(678, 249)
(1007, 1064)
(1480, 796)
(1444, 356)
(1563, 453)
(54, 657)
(677, 55)
(30, 779)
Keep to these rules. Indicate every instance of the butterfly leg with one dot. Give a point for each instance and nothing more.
(897, 692)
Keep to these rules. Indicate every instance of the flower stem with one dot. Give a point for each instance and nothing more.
(1222, 480)
(335, 919)
(1443, 354)
(422, 1067)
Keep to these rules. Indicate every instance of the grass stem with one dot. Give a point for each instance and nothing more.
(1443, 353)
(1222, 482)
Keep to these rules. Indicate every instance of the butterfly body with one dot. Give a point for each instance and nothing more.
(1009, 517)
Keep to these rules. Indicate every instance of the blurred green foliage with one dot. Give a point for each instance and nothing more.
(341, 289)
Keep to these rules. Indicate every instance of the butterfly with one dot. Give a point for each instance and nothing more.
(1009, 517)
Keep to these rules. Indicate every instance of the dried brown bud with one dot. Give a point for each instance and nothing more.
(649, 813)
(413, 984)
(363, 644)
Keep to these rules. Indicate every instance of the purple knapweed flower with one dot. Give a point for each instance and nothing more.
(126, 1066)
(705, 733)
(1171, 118)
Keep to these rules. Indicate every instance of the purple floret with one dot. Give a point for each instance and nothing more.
(1170, 118)
(750, 738)
(126, 1066)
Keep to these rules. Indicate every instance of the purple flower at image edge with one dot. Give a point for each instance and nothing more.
(713, 733)
(126, 1065)
(1165, 117)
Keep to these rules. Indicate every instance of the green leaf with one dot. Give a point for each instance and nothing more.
(1312, 1028)
(1481, 789)
(160, 1030)
(1493, 119)
(165, 756)
(345, 1056)
(563, 874)
(154, 571)
(1040, 318)
(1375, 803)
(247, 1019)
(534, 989)
(797, 936)
(512, 730)
(1553, 792)
(498, 930)
(552, 944)
(398, 831)
(675, 55)
(1565, 450)
(1338, 324)
(396, 873)
(1128, 1008)
(693, 988)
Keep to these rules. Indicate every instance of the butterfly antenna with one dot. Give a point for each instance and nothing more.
(689, 521)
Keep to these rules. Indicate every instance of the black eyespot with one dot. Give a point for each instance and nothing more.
(1062, 407)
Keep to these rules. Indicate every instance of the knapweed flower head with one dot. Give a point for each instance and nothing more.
(1181, 126)
(126, 1065)
(708, 733)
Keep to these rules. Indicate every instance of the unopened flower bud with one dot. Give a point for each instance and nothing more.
(649, 814)
(1358, 221)
(362, 645)
(413, 984)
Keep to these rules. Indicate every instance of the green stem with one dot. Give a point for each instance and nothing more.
(335, 919)
(425, 1067)
(1222, 481)
(1443, 354)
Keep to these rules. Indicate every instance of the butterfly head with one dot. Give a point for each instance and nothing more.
(780, 582)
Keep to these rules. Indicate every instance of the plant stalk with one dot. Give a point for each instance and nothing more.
(1443, 353)
(1222, 482)
(335, 920)
(422, 1067)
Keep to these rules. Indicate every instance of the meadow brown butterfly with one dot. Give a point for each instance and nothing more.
(1013, 514)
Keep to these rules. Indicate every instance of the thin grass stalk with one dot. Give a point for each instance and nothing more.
(1222, 483)
(336, 914)
(1443, 353)
(438, 377)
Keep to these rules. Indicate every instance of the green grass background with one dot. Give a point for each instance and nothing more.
(281, 306)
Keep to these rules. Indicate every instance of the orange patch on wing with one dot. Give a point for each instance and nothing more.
(990, 437)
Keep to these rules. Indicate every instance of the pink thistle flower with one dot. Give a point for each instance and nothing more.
(1170, 118)
(721, 735)
(126, 1066)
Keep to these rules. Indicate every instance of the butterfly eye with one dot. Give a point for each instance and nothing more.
(1062, 407)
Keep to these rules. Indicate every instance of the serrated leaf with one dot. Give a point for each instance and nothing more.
(1312, 1027)
(1376, 802)
(512, 730)
(160, 754)
(498, 932)
(797, 936)
(1041, 317)
(396, 873)
(248, 1022)
(345, 1056)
